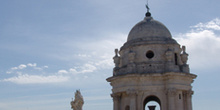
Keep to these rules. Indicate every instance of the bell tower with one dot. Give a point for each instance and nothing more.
(151, 66)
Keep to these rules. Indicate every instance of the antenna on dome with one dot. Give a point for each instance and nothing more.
(148, 14)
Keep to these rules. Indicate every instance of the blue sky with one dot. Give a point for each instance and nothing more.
(50, 48)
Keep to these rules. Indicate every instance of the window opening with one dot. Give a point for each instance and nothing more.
(175, 59)
(152, 101)
(150, 54)
(179, 96)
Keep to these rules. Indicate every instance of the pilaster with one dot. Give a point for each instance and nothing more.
(171, 94)
(189, 99)
(117, 101)
(133, 99)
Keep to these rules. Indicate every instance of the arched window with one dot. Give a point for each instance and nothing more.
(152, 101)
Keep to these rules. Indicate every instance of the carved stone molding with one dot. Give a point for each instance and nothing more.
(131, 92)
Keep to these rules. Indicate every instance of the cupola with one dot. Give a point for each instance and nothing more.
(150, 48)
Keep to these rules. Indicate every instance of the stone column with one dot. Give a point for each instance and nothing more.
(171, 98)
(116, 101)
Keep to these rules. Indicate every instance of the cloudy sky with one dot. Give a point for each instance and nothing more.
(50, 48)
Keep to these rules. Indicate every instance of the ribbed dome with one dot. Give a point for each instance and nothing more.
(148, 28)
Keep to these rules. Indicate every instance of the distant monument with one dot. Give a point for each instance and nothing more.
(78, 102)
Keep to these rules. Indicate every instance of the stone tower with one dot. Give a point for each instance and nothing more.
(151, 66)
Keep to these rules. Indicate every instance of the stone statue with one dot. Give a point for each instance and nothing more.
(116, 58)
(184, 55)
(78, 102)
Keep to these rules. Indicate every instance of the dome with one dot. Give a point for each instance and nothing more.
(148, 28)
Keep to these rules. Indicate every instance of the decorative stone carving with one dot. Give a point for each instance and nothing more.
(78, 102)
(116, 58)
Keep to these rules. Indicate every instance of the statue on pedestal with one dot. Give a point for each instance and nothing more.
(78, 102)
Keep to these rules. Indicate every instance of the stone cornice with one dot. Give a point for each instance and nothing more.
(166, 74)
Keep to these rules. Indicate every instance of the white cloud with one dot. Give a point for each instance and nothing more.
(90, 67)
(22, 66)
(98, 54)
(86, 68)
(8, 72)
(203, 45)
(90, 50)
(105, 63)
(14, 68)
(11, 70)
(32, 64)
(62, 72)
(73, 71)
(84, 55)
(213, 25)
(35, 79)
(46, 67)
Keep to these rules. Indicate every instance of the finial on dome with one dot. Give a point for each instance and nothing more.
(148, 14)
